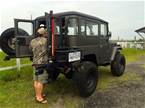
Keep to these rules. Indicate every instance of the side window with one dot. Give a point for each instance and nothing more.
(57, 27)
(91, 29)
(82, 28)
(72, 26)
(28, 27)
(95, 29)
(103, 29)
(88, 30)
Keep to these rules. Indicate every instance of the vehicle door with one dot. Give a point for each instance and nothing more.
(104, 45)
(22, 42)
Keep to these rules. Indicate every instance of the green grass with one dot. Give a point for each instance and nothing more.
(132, 54)
(11, 62)
(18, 91)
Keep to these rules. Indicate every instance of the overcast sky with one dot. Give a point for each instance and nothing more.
(123, 16)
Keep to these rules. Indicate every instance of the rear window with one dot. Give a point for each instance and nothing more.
(43, 22)
(72, 26)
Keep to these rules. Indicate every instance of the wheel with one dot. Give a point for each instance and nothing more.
(7, 40)
(55, 75)
(53, 72)
(118, 65)
(69, 75)
(86, 78)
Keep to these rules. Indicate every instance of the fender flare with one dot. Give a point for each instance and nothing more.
(114, 51)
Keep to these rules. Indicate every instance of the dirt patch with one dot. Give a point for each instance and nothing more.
(129, 94)
(59, 103)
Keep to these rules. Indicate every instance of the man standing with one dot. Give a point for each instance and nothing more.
(40, 59)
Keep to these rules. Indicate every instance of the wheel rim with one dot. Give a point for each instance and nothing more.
(11, 43)
(122, 65)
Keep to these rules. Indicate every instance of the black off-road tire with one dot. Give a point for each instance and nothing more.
(118, 65)
(53, 72)
(55, 75)
(6, 39)
(69, 75)
(86, 78)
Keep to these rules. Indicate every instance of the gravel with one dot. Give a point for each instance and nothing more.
(129, 94)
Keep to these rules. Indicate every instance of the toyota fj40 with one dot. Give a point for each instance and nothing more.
(77, 44)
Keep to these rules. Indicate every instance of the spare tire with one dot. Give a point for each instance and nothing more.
(6, 40)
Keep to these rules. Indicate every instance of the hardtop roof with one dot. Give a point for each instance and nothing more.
(74, 13)
(141, 30)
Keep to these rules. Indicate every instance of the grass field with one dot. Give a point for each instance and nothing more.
(18, 91)
(132, 54)
(11, 62)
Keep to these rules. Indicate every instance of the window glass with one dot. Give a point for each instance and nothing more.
(72, 27)
(82, 27)
(26, 26)
(95, 29)
(103, 29)
(43, 23)
(88, 30)
(91, 29)
(57, 27)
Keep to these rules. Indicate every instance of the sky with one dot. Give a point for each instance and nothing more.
(124, 17)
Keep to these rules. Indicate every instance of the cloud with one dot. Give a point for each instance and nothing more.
(122, 15)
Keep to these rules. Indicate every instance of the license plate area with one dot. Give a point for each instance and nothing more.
(74, 56)
(68, 55)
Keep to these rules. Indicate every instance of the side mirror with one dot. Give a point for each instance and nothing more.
(109, 34)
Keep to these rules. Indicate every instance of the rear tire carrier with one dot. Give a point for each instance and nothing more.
(7, 40)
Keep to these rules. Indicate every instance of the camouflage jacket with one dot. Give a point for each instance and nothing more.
(39, 48)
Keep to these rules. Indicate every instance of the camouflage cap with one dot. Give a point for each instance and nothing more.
(41, 31)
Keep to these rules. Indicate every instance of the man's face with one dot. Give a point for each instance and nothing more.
(46, 34)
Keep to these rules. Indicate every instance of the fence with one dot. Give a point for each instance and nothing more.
(132, 44)
(17, 66)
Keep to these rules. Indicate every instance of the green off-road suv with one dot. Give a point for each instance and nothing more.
(77, 44)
